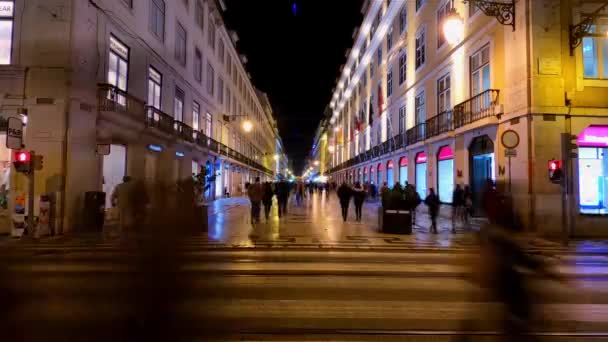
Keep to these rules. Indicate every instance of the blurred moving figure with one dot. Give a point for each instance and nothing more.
(344, 194)
(359, 194)
(282, 191)
(432, 201)
(267, 199)
(255, 192)
(124, 198)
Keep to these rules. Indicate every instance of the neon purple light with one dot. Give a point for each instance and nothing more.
(421, 158)
(594, 136)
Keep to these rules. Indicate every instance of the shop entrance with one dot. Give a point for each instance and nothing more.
(5, 172)
(593, 170)
(114, 169)
(481, 166)
(445, 174)
(421, 174)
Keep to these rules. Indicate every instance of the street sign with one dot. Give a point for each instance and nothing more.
(510, 152)
(509, 139)
(14, 134)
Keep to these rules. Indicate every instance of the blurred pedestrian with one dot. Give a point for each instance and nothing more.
(359, 197)
(123, 197)
(432, 201)
(282, 191)
(457, 206)
(267, 199)
(468, 205)
(344, 195)
(255, 193)
(299, 193)
(383, 189)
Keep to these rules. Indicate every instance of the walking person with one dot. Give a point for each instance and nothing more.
(359, 197)
(267, 199)
(255, 193)
(457, 206)
(282, 191)
(383, 189)
(299, 193)
(123, 198)
(468, 206)
(432, 201)
(344, 195)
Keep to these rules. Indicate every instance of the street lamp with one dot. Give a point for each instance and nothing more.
(247, 126)
(331, 148)
(276, 157)
(504, 12)
(316, 163)
(453, 27)
(337, 129)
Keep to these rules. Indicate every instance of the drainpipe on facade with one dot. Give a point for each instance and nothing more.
(531, 193)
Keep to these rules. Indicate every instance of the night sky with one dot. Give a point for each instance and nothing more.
(295, 58)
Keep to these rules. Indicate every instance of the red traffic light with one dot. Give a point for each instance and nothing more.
(22, 156)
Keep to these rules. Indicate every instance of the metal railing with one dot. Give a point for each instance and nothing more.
(112, 99)
(439, 124)
(416, 133)
(184, 131)
(480, 106)
(160, 120)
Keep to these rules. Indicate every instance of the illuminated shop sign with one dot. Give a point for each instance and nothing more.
(155, 148)
(6, 9)
(179, 154)
(594, 136)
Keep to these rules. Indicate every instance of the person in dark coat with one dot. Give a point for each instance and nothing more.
(344, 194)
(282, 192)
(432, 201)
(267, 199)
(359, 196)
(457, 206)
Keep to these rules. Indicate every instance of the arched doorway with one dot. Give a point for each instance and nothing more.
(364, 175)
(421, 174)
(390, 175)
(403, 171)
(379, 174)
(445, 174)
(371, 174)
(481, 168)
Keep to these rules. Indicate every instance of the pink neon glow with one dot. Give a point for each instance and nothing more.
(593, 136)
(389, 165)
(445, 153)
(421, 158)
(403, 161)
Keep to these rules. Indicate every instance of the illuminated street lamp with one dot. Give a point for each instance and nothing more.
(331, 148)
(453, 27)
(316, 163)
(276, 157)
(337, 129)
(247, 126)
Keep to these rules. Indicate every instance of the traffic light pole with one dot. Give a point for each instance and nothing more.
(31, 227)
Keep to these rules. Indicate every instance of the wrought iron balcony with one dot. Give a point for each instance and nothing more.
(184, 131)
(112, 99)
(160, 120)
(416, 134)
(480, 106)
(439, 124)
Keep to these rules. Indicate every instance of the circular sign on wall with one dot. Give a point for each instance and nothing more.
(509, 139)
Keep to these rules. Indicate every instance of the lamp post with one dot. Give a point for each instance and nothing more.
(453, 26)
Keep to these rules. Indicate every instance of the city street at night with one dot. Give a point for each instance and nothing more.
(307, 276)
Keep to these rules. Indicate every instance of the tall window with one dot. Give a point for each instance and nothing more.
(228, 98)
(380, 55)
(480, 71)
(178, 105)
(180, 44)
(220, 51)
(419, 4)
(420, 48)
(420, 108)
(220, 90)
(118, 67)
(155, 86)
(196, 115)
(198, 65)
(403, 19)
(157, 18)
(210, 79)
(208, 124)
(443, 94)
(211, 34)
(402, 122)
(595, 53)
(402, 68)
(389, 81)
(442, 14)
(389, 39)
(199, 13)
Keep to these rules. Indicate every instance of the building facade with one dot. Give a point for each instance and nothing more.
(152, 89)
(411, 107)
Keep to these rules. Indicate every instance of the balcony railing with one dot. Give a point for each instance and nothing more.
(439, 124)
(159, 119)
(480, 106)
(112, 99)
(416, 133)
(184, 131)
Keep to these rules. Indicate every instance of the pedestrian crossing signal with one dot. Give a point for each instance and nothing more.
(556, 173)
(22, 161)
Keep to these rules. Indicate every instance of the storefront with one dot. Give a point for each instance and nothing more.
(114, 169)
(445, 174)
(403, 171)
(151, 163)
(371, 175)
(364, 175)
(481, 152)
(5, 186)
(219, 173)
(390, 176)
(593, 170)
(379, 174)
(421, 170)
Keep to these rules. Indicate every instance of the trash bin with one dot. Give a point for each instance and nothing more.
(397, 221)
(94, 211)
